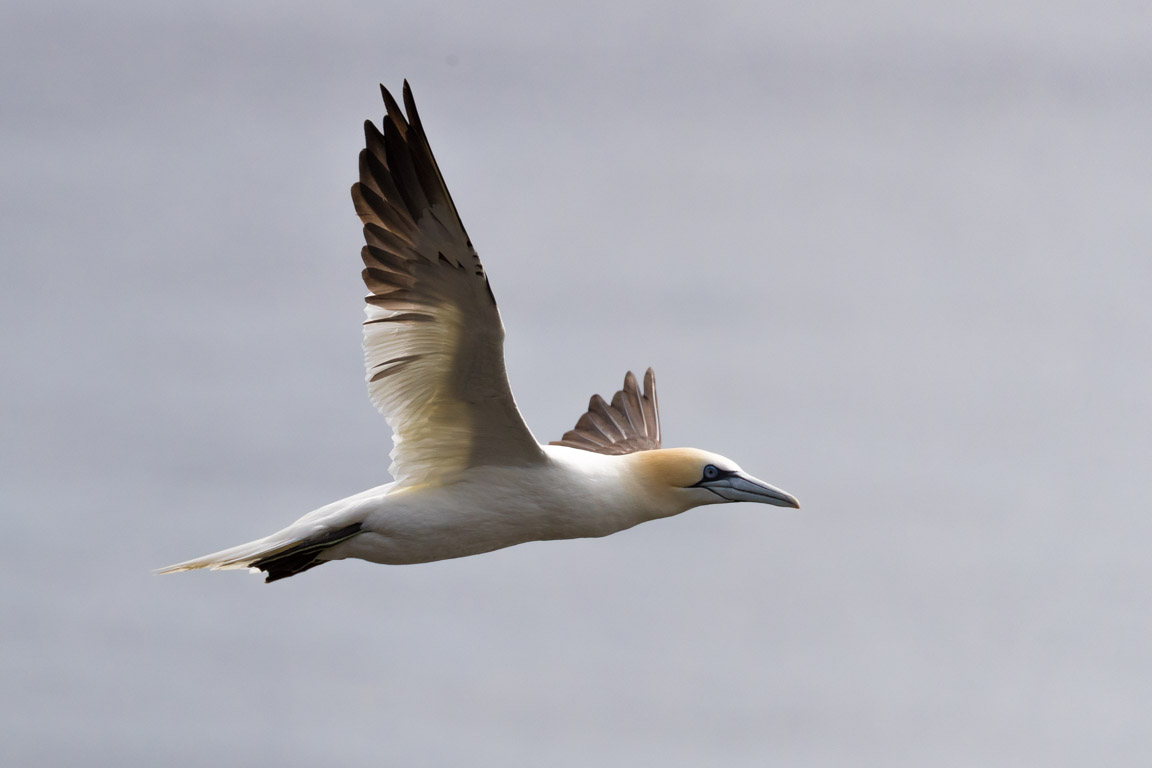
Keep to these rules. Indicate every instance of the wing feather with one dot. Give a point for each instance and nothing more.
(433, 339)
(629, 424)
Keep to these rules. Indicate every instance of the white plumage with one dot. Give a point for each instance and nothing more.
(470, 477)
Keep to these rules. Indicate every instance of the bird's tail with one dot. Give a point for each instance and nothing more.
(280, 555)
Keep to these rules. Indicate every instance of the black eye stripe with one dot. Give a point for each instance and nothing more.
(712, 473)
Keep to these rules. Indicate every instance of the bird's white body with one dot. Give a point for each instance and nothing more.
(470, 477)
(573, 494)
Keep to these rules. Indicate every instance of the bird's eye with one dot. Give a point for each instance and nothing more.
(711, 473)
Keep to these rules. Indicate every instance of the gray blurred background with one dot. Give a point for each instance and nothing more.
(892, 257)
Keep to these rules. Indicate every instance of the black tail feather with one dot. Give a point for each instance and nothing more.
(304, 555)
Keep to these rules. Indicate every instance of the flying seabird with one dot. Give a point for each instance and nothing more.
(469, 475)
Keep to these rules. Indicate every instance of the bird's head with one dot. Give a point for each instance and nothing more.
(690, 478)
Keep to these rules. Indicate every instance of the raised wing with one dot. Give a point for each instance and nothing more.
(630, 424)
(433, 340)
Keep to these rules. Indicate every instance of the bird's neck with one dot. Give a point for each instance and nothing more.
(626, 487)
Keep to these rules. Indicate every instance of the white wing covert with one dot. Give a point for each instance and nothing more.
(433, 339)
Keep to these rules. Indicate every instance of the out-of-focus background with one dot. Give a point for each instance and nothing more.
(892, 257)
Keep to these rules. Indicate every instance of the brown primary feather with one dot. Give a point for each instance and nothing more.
(629, 424)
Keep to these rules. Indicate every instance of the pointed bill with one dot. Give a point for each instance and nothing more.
(742, 487)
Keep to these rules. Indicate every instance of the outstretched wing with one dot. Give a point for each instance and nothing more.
(631, 423)
(433, 340)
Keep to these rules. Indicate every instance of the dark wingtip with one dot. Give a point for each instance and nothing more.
(650, 382)
(395, 114)
(410, 108)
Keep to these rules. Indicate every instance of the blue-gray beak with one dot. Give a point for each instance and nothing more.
(742, 487)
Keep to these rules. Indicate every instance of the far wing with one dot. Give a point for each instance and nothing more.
(433, 339)
(630, 424)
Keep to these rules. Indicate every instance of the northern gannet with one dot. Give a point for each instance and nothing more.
(469, 475)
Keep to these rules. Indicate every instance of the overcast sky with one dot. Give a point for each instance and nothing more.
(893, 257)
